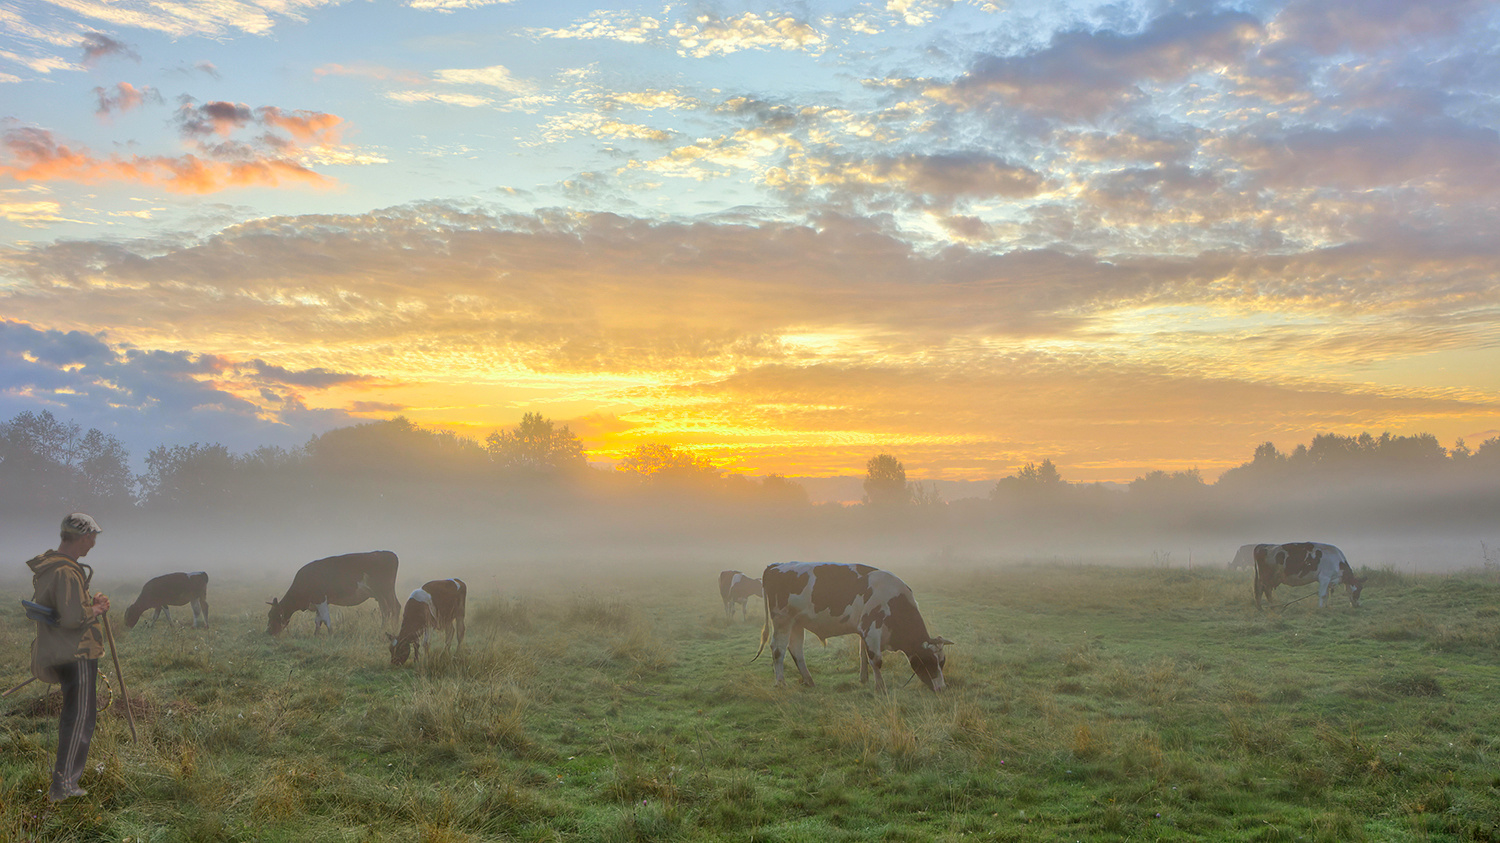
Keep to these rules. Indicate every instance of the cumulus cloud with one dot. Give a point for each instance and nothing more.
(1082, 74)
(704, 36)
(98, 46)
(36, 155)
(123, 97)
(1445, 157)
(939, 180)
(1329, 26)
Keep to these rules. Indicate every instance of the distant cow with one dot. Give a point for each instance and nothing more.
(829, 599)
(1244, 557)
(168, 590)
(347, 580)
(437, 605)
(1301, 563)
(735, 587)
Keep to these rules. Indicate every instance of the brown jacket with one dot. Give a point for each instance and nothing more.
(63, 584)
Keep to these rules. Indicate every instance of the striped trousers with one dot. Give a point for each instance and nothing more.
(76, 726)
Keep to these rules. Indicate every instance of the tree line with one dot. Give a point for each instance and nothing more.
(48, 465)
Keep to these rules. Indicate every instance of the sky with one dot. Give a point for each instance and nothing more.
(1121, 236)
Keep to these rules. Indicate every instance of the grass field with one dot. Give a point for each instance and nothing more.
(1085, 703)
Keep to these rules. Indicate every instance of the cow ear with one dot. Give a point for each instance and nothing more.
(271, 602)
(941, 640)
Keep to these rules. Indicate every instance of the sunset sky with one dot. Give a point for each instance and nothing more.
(1122, 236)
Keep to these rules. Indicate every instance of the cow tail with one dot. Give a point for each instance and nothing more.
(765, 631)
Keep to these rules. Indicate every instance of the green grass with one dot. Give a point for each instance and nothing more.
(1085, 703)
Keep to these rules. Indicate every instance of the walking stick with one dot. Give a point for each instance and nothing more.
(18, 687)
(109, 636)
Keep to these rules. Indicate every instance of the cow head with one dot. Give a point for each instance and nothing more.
(927, 662)
(133, 614)
(275, 619)
(1355, 584)
(400, 649)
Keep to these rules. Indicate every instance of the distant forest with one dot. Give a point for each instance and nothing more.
(533, 482)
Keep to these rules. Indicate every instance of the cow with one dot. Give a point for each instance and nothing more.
(830, 599)
(1244, 557)
(168, 590)
(735, 587)
(346, 580)
(437, 605)
(1300, 563)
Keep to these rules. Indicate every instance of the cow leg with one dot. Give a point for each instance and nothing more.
(794, 646)
(197, 613)
(1323, 583)
(864, 662)
(779, 636)
(156, 616)
(203, 602)
(459, 623)
(324, 619)
(168, 610)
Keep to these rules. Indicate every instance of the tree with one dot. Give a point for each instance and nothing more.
(45, 464)
(659, 463)
(536, 445)
(885, 482)
(196, 476)
(1030, 482)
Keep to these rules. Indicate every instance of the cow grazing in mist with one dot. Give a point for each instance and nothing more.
(1244, 557)
(347, 580)
(437, 605)
(829, 599)
(1300, 563)
(161, 593)
(735, 587)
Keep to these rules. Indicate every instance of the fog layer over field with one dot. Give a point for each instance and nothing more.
(525, 506)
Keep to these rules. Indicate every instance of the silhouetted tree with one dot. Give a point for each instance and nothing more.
(191, 477)
(885, 482)
(536, 445)
(657, 463)
(47, 464)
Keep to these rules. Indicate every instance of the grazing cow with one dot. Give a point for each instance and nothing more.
(735, 587)
(1301, 563)
(168, 590)
(1244, 557)
(437, 605)
(347, 580)
(829, 599)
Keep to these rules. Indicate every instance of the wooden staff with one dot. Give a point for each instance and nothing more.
(109, 636)
(18, 687)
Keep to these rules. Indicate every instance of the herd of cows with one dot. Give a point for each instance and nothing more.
(825, 598)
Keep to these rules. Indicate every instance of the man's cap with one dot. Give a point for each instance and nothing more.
(79, 524)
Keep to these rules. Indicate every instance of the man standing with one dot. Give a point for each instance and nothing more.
(68, 647)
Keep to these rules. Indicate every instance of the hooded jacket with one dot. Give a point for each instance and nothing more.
(62, 583)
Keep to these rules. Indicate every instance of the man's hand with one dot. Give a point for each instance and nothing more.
(100, 605)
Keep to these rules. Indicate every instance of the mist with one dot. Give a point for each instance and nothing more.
(524, 511)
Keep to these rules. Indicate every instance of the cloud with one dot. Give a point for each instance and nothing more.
(123, 97)
(1444, 157)
(1082, 74)
(97, 46)
(35, 155)
(704, 36)
(1330, 26)
(939, 180)
(495, 76)
(315, 378)
(212, 118)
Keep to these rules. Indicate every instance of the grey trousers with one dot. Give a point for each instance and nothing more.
(76, 726)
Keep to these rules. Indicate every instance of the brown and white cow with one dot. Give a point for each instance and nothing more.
(437, 605)
(1300, 563)
(735, 587)
(346, 580)
(179, 589)
(830, 599)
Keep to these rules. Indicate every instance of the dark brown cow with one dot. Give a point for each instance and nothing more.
(829, 599)
(735, 587)
(347, 580)
(1300, 563)
(179, 589)
(437, 605)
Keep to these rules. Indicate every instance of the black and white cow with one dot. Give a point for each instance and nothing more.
(829, 599)
(1300, 563)
(735, 587)
(178, 589)
(346, 580)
